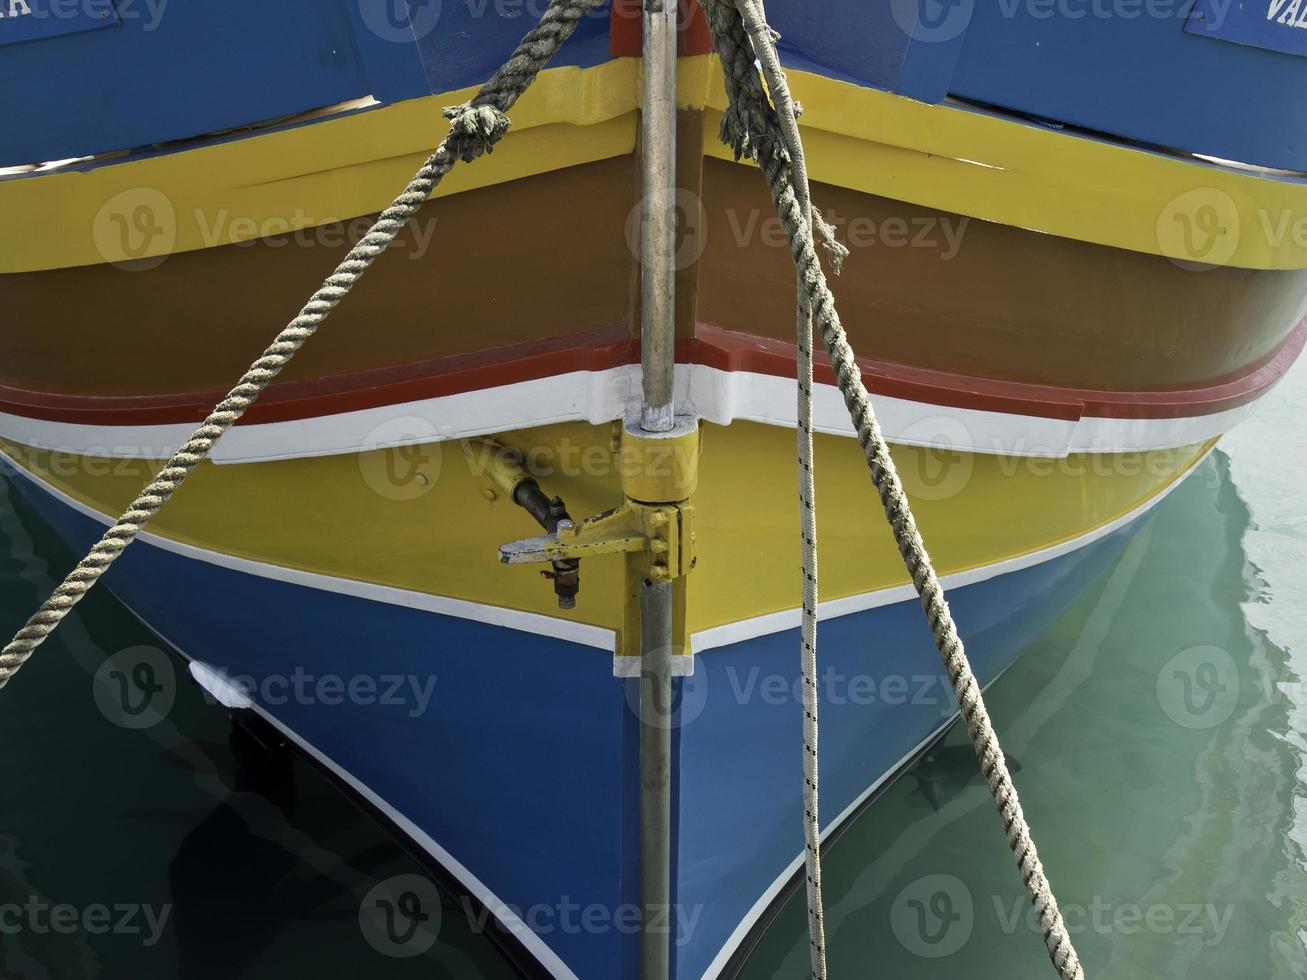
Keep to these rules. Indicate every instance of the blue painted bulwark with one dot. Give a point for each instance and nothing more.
(180, 71)
(857, 41)
(1159, 73)
(35, 20)
(174, 71)
(1132, 71)
(463, 43)
(1276, 25)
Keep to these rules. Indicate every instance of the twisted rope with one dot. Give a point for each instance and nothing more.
(754, 128)
(475, 129)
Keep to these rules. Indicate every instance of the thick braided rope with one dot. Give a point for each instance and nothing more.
(475, 128)
(756, 23)
(752, 127)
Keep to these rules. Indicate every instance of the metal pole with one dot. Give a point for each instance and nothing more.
(658, 216)
(655, 780)
(658, 414)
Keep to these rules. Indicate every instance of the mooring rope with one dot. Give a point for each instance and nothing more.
(475, 128)
(753, 127)
(755, 21)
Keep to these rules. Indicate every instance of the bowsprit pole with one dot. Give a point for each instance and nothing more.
(657, 417)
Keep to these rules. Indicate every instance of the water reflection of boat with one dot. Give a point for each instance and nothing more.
(1195, 708)
(1047, 360)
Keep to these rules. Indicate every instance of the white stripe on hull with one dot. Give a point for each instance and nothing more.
(598, 397)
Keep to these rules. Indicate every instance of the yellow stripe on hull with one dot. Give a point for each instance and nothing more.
(939, 156)
(420, 519)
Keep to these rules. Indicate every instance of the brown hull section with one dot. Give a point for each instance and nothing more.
(508, 265)
(474, 271)
(934, 290)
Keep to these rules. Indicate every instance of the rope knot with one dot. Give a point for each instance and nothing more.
(474, 130)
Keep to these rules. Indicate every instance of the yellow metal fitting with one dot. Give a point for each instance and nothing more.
(653, 528)
(659, 469)
(658, 537)
(501, 465)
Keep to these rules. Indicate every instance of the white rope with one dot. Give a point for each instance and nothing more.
(475, 128)
(753, 126)
(755, 21)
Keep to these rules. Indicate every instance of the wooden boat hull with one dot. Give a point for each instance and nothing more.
(498, 739)
(1056, 326)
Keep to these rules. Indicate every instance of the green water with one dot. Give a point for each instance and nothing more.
(1159, 726)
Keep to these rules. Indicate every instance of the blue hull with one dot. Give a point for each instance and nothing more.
(156, 72)
(520, 773)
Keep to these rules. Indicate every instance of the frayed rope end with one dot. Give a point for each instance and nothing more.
(474, 130)
(836, 251)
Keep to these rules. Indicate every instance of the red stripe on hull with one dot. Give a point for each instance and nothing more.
(612, 347)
